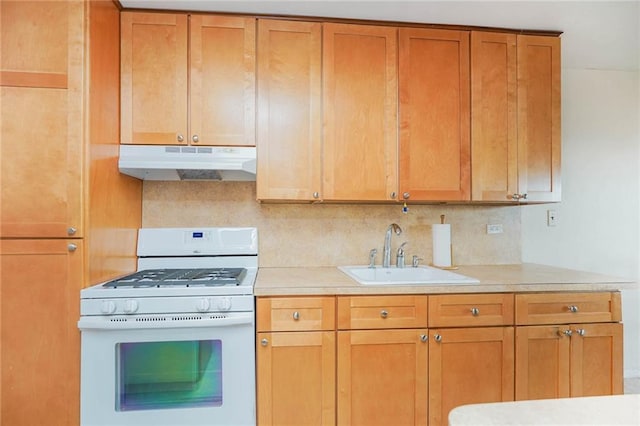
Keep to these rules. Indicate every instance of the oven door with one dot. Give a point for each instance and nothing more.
(141, 371)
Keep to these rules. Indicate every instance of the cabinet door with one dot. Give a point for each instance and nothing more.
(494, 136)
(434, 115)
(542, 362)
(539, 117)
(41, 125)
(382, 377)
(222, 80)
(289, 110)
(153, 78)
(360, 112)
(596, 359)
(469, 366)
(40, 352)
(296, 378)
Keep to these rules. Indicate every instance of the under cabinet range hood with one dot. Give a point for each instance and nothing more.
(159, 162)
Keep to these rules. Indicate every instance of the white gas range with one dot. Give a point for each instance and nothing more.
(173, 343)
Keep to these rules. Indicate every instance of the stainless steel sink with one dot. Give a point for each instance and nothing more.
(422, 275)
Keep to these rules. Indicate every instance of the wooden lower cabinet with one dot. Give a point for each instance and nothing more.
(40, 349)
(296, 378)
(469, 366)
(560, 361)
(382, 377)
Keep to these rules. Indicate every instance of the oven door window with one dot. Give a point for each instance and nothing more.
(179, 374)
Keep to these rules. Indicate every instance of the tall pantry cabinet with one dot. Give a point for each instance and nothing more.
(68, 218)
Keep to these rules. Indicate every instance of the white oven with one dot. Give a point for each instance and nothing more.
(173, 343)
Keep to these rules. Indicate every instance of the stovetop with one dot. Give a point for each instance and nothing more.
(190, 277)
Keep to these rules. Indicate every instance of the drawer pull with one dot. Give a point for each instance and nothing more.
(437, 338)
(475, 312)
(573, 309)
(384, 313)
(296, 315)
(424, 337)
(264, 342)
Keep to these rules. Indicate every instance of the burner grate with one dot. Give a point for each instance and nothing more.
(197, 277)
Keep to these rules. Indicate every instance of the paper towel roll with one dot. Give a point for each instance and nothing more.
(441, 245)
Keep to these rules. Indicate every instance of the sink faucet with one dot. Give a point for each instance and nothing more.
(386, 254)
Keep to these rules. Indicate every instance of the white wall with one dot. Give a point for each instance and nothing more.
(599, 215)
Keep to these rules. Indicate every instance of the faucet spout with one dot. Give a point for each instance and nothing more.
(386, 254)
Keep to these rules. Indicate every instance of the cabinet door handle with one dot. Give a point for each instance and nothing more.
(195, 138)
(406, 195)
(384, 313)
(72, 247)
(392, 195)
(264, 342)
(296, 315)
(475, 312)
(437, 338)
(180, 138)
(581, 331)
(424, 337)
(565, 333)
(573, 309)
(71, 231)
(316, 195)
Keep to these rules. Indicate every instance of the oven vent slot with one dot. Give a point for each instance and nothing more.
(118, 319)
(150, 319)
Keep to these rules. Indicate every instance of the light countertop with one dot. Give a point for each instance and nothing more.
(596, 410)
(525, 277)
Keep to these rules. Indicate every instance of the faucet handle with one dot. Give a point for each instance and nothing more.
(401, 248)
(372, 258)
(415, 261)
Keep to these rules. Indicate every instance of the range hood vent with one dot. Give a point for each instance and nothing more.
(157, 162)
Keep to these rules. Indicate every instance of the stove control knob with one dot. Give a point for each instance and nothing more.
(203, 305)
(224, 303)
(130, 306)
(108, 307)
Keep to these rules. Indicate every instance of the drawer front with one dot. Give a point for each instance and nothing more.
(468, 310)
(295, 313)
(566, 308)
(377, 312)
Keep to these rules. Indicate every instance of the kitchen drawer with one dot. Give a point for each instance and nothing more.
(295, 313)
(371, 312)
(566, 308)
(468, 310)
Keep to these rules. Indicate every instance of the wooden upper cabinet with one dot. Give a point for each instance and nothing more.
(289, 110)
(539, 134)
(35, 43)
(494, 130)
(222, 80)
(360, 112)
(434, 149)
(153, 78)
(41, 125)
(168, 100)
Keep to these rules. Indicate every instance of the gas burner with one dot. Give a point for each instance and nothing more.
(195, 277)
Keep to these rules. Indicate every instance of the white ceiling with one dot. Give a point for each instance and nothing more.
(596, 34)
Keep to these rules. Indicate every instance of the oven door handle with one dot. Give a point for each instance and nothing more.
(137, 322)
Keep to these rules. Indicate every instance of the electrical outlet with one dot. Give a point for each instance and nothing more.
(494, 228)
(552, 218)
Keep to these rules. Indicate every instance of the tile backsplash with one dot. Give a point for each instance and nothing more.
(332, 234)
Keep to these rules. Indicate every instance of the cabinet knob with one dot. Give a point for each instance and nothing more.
(316, 195)
(406, 195)
(384, 313)
(523, 196)
(264, 342)
(296, 315)
(72, 247)
(573, 309)
(392, 195)
(424, 337)
(180, 138)
(71, 230)
(565, 333)
(581, 331)
(437, 338)
(475, 312)
(195, 138)
(514, 197)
